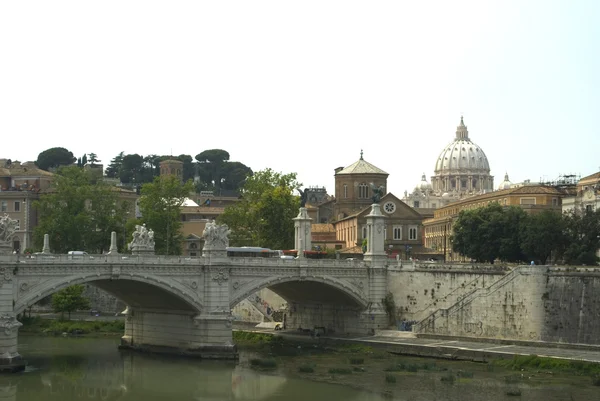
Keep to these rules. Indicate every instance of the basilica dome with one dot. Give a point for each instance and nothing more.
(506, 184)
(462, 167)
(462, 155)
(423, 185)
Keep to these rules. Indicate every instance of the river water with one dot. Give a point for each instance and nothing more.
(76, 369)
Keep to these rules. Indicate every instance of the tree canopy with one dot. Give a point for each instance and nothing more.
(79, 215)
(160, 205)
(54, 158)
(509, 234)
(216, 172)
(263, 216)
(69, 300)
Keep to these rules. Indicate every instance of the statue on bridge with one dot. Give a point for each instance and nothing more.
(377, 193)
(303, 196)
(8, 227)
(143, 240)
(215, 236)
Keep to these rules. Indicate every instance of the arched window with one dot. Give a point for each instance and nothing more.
(193, 245)
(178, 172)
(345, 191)
(172, 170)
(363, 191)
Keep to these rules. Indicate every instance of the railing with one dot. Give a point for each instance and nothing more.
(126, 259)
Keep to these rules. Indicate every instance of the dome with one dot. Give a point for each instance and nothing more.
(423, 185)
(462, 155)
(506, 184)
(445, 195)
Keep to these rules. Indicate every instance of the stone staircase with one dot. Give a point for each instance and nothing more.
(261, 308)
(436, 322)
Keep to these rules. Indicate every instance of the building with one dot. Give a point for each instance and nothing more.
(532, 198)
(587, 195)
(461, 170)
(353, 186)
(171, 167)
(20, 186)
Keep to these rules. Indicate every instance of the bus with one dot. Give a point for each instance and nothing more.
(252, 252)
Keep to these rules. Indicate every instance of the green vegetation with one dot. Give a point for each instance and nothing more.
(79, 214)
(357, 361)
(509, 234)
(306, 369)
(38, 325)
(340, 371)
(69, 300)
(160, 204)
(534, 362)
(263, 364)
(264, 214)
(390, 378)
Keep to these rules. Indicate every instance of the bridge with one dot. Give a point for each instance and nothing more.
(183, 305)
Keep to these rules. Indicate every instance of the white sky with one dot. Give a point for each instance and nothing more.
(303, 86)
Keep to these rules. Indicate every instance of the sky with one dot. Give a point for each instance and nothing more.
(303, 86)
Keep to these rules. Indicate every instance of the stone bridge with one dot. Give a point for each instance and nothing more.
(183, 305)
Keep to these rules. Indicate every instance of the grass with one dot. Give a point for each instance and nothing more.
(448, 378)
(38, 325)
(390, 378)
(357, 361)
(534, 362)
(514, 393)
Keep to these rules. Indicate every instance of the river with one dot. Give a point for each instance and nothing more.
(75, 369)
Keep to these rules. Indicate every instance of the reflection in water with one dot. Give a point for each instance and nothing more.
(69, 369)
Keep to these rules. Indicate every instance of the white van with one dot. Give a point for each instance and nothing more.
(77, 254)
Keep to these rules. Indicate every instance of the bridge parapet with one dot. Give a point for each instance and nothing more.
(54, 259)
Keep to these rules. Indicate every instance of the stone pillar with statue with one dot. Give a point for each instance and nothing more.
(10, 359)
(213, 324)
(142, 242)
(302, 227)
(375, 317)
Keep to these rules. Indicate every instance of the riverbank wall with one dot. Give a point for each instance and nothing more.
(531, 303)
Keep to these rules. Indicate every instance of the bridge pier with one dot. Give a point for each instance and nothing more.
(10, 359)
(178, 332)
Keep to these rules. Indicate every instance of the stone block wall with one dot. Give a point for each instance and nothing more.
(534, 303)
(420, 291)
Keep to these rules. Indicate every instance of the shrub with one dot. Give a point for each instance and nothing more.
(390, 378)
(357, 361)
(448, 378)
(263, 363)
(306, 369)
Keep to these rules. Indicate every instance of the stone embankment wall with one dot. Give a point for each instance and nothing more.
(421, 289)
(536, 303)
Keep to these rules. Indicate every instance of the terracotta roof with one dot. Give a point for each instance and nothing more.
(591, 178)
(16, 170)
(361, 167)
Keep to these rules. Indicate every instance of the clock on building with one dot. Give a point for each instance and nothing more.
(389, 207)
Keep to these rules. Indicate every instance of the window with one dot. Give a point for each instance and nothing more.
(364, 232)
(18, 225)
(363, 191)
(527, 201)
(193, 245)
(433, 205)
(412, 233)
(415, 203)
(3, 206)
(589, 208)
(385, 232)
(345, 191)
(397, 232)
(554, 201)
(17, 206)
(192, 253)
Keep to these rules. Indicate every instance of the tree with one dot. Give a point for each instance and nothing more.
(54, 158)
(93, 159)
(160, 205)
(113, 169)
(582, 229)
(78, 215)
(69, 300)
(541, 234)
(131, 170)
(478, 233)
(510, 245)
(210, 166)
(84, 160)
(264, 215)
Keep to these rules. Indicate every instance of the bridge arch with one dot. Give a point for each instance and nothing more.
(341, 288)
(135, 290)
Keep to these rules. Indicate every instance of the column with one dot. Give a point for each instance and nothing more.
(375, 317)
(302, 230)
